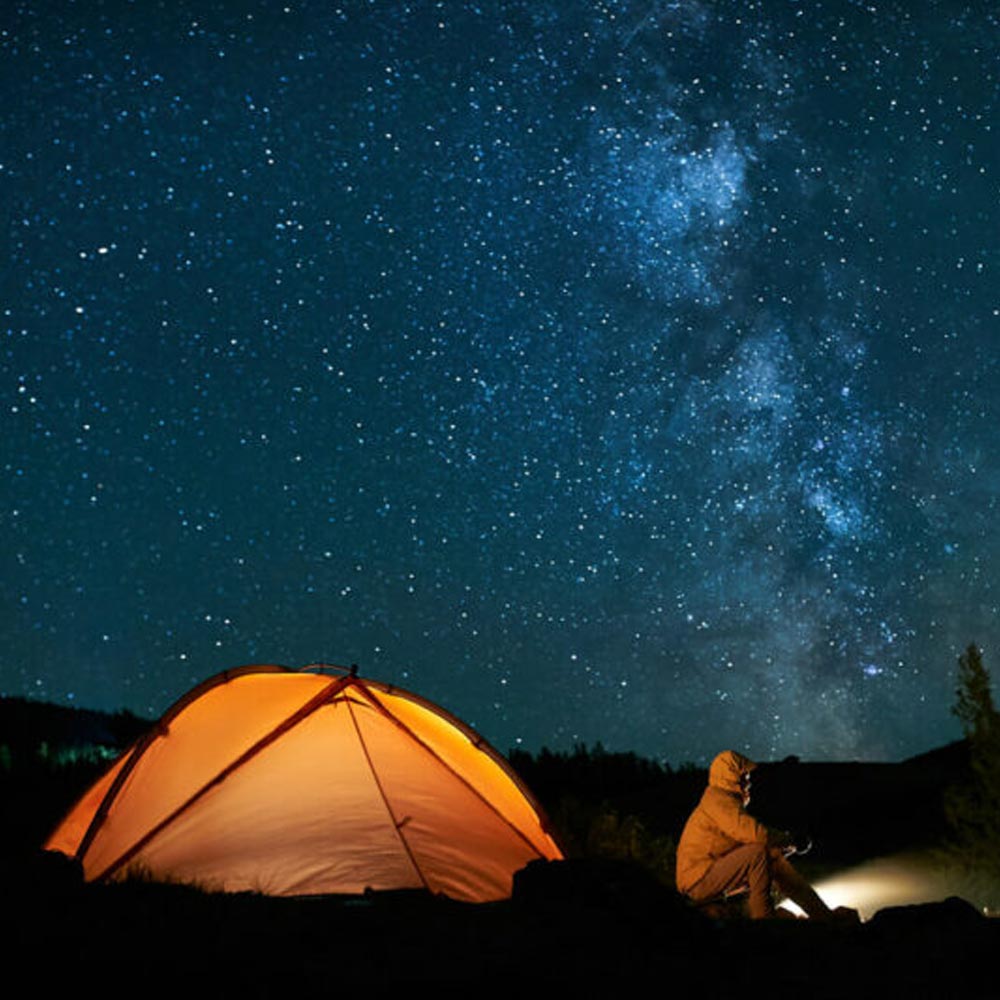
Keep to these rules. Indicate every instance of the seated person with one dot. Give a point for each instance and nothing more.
(723, 849)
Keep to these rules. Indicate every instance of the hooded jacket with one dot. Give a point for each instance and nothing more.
(720, 822)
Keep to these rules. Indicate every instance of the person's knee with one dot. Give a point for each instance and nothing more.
(758, 867)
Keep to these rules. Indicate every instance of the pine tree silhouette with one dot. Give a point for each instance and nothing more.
(973, 808)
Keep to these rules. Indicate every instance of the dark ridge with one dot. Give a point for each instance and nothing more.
(852, 811)
(26, 725)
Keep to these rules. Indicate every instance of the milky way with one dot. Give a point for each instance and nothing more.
(604, 371)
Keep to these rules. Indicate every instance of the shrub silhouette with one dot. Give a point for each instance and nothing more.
(592, 797)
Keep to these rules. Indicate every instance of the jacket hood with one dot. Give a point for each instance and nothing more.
(727, 769)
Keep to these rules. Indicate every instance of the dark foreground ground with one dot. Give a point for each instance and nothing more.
(593, 926)
(577, 926)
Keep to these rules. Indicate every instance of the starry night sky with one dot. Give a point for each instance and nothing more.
(619, 371)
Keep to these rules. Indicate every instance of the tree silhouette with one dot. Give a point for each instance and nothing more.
(973, 808)
(973, 698)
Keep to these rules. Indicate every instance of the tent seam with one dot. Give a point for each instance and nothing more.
(161, 728)
(475, 738)
(397, 825)
(300, 714)
(475, 791)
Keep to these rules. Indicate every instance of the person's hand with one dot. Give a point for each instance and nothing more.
(801, 844)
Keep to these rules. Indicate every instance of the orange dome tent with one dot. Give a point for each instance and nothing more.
(299, 783)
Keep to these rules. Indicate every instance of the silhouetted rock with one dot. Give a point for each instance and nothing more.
(593, 882)
(952, 914)
(40, 874)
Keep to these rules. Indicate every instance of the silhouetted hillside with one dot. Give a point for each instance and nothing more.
(49, 755)
(28, 726)
(857, 810)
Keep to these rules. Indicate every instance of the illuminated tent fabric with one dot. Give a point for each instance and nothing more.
(297, 783)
